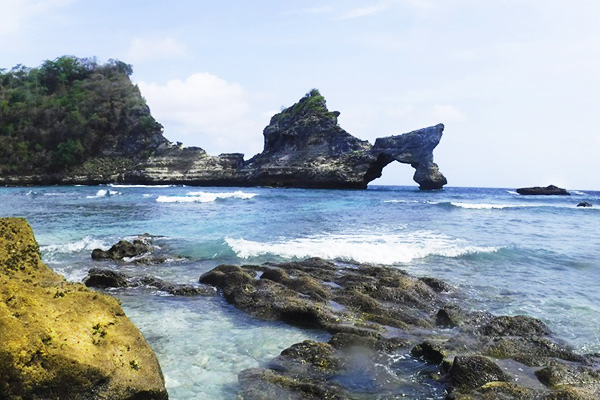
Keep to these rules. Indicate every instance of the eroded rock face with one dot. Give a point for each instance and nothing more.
(303, 147)
(63, 340)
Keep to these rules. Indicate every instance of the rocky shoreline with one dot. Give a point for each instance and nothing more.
(304, 147)
(381, 314)
(383, 324)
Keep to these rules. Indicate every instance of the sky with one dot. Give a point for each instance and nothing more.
(515, 82)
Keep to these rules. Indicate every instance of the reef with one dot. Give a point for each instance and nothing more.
(384, 322)
(63, 340)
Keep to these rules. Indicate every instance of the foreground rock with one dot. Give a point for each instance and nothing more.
(388, 326)
(547, 191)
(62, 340)
(303, 147)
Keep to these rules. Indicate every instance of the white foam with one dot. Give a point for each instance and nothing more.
(104, 193)
(139, 186)
(482, 206)
(205, 197)
(512, 192)
(400, 201)
(87, 243)
(363, 248)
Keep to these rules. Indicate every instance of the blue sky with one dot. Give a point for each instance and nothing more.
(515, 82)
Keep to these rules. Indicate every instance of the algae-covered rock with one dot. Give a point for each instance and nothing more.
(63, 340)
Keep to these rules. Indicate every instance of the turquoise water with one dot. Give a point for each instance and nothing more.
(508, 254)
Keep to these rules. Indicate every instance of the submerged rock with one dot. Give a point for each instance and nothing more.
(584, 204)
(106, 278)
(379, 316)
(475, 371)
(63, 340)
(548, 190)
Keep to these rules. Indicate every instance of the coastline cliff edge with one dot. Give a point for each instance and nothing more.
(108, 135)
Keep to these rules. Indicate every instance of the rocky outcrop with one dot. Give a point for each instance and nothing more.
(123, 249)
(384, 321)
(547, 191)
(303, 147)
(63, 340)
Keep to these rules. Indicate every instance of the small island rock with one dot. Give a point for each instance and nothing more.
(546, 191)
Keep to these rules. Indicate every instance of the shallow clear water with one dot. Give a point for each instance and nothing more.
(508, 254)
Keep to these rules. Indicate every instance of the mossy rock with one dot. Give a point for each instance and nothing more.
(63, 340)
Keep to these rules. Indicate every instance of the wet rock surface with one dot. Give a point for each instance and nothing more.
(63, 340)
(387, 325)
(124, 248)
(104, 278)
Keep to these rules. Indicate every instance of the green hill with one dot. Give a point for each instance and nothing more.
(73, 115)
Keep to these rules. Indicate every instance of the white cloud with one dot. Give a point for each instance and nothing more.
(16, 14)
(204, 110)
(143, 49)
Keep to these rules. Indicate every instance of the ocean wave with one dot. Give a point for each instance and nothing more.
(205, 197)
(104, 193)
(365, 248)
(139, 186)
(484, 206)
(400, 201)
(86, 243)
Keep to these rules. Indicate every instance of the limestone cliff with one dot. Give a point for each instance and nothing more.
(63, 340)
(303, 147)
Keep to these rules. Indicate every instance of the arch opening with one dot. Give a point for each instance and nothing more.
(395, 173)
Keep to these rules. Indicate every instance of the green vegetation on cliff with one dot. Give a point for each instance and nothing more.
(313, 103)
(70, 110)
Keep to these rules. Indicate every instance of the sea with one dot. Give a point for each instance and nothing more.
(504, 253)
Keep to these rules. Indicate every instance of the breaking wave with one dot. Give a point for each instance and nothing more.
(104, 193)
(365, 248)
(86, 243)
(205, 197)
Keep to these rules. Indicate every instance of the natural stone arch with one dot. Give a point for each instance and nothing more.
(414, 148)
